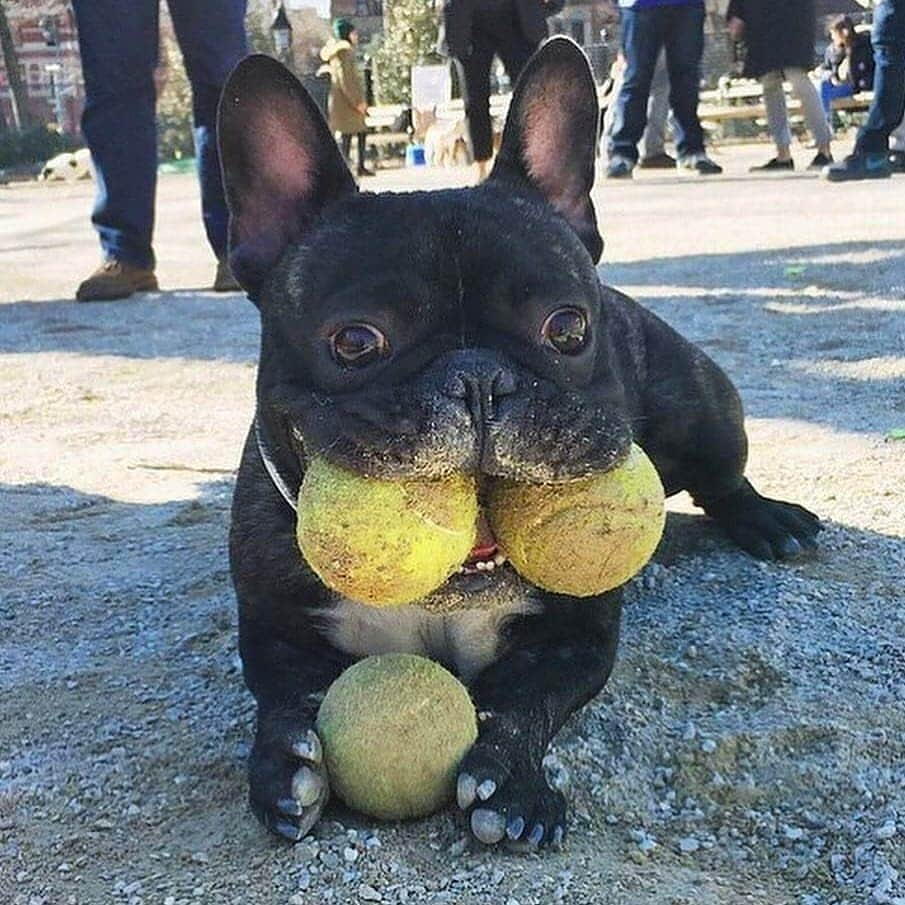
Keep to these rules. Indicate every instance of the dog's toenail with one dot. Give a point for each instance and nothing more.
(536, 834)
(466, 789)
(486, 789)
(306, 786)
(290, 807)
(515, 827)
(288, 830)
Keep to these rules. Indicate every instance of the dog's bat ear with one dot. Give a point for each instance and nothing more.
(281, 166)
(549, 140)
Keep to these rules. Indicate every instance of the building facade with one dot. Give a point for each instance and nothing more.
(50, 67)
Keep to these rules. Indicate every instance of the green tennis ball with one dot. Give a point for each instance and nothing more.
(384, 542)
(394, 729)
(581, 537)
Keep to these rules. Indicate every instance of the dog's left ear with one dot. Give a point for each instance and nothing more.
(549, 141)
(281, 166)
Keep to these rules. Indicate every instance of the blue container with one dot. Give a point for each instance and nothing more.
(414, 156)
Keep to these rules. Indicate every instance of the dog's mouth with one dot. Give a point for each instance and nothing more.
(485, 555)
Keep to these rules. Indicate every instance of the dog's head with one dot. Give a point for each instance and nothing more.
(426, 333)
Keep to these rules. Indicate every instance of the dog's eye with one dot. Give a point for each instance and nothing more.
(357, 345)
(566, 330)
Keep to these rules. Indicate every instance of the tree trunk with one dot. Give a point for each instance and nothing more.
(18, 94)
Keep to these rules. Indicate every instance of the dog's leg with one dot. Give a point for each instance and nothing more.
(551, 664)
(288, 785)
(692, 427)
(287, 660)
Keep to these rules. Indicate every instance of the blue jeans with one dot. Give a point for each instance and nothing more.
(829, 92)
(888, 105)
(679, 28)
(118, 40)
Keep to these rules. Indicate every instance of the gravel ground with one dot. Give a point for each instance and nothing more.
(750, 746)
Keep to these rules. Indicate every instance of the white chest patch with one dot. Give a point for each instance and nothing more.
(456, 625)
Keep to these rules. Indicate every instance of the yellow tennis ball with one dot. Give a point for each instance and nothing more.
(384, 542)
(581, 537)
(394, 729)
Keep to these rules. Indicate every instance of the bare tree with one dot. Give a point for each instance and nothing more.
(18, 94)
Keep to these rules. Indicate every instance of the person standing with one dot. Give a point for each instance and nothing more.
(779, 36)
(346, 106)
(119, 49)
(653, 142)
(473, 32)
(649, 26)
(871, 158)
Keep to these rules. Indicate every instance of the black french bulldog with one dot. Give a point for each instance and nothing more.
(421, 334)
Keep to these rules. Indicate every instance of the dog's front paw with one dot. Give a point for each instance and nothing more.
(765, 528)
(288, 786)
(509, 798)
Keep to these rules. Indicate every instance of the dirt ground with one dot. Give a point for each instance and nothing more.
(750, 746)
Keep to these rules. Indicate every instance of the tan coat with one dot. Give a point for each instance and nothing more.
(346, 90)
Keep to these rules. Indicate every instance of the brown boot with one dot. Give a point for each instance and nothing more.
(116, 280)
(224, 281)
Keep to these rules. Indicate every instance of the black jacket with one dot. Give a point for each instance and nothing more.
(458, 21)
(779, 34)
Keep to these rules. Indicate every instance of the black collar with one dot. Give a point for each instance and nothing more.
(279, 481)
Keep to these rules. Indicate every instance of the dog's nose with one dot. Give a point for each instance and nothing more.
(481, 391)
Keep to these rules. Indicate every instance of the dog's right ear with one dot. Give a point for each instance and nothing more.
(281, 166)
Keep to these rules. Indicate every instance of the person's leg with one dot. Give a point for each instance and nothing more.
(777, 124)
(211, 36)
(642, 40)
(828, 93)
(474, 79)
(363, 170)
(870, 159)
(812, 110)
(683, 32)
(653, 141)
(889, 78)
(777, 113)
(345, 141)
(118, 45)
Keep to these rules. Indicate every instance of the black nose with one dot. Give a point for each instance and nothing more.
(481, 387)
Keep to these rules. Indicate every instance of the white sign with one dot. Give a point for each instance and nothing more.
(431, 87)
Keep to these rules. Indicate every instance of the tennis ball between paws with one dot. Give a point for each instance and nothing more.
(384, 542)
(394, 729)
(581, 537)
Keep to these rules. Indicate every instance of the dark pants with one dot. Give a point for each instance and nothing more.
(888, 105)
(362, 138)
(679, 28)
(496, 31)
(119, 47)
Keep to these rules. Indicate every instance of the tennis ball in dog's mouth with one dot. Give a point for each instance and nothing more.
(581, 537)
(384, 542)
(394, 728)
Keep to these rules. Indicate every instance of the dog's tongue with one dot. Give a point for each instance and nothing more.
(485, 543)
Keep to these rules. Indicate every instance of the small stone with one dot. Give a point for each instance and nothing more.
(688, 844)
(329, 859)
(297, 899)
(887, 831)
(793, 833)
(350, 855)
(708, 746)
(368, 893)
(689, 732)
(200, 857)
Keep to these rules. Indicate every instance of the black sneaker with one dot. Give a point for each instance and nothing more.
(661, 161)
(820, 161)
(699, 163)
(773, 165)
(619, 168)
(860, 165)
(897, 161)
